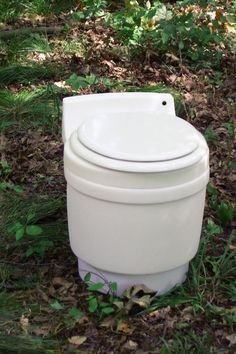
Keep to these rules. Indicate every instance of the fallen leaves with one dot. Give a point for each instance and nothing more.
(138, 295)
(232, 339)
(130, 345)
(77, 340)
(125, 327)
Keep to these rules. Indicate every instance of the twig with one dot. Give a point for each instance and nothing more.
(35, 265)
(23, 31)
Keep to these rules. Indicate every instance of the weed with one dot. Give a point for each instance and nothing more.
(185, 30)
(224, 209)
(10, 10)
(97, 303)
(20, 230)
(24, 221)
(189, 342)
(5, 183)
(216, 79)
(36, 108)
(211, 136)
(15, 74)
(80, 82)
(17, 46)
(229, 126)
(91, 8)
(225, 212)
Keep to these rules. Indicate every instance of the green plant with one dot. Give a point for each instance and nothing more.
(97, 303)
(5, 173)
(24, 217)
(40, 107)
(33, 73)
(224, 209)
(77, 82)
(211, 136)
(80, 82)
(216, 79)
(91, 8)
(186, 29)
(18, 46)
(20, 229)
(229, 126)
(225, 212)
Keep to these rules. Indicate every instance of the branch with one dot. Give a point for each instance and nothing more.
(23, 31)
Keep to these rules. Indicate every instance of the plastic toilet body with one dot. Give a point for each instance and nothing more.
(136, 180)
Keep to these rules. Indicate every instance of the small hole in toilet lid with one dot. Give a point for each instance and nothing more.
(139, 136)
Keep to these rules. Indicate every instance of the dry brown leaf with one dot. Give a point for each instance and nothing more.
(59, 281)
(40, 331)
(231, 338)
(187, 314)
(131, 345)
(160, 313)
(77, 340)
(125, 327)
(140, 288)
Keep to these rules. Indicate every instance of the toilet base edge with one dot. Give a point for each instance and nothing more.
(159, 282)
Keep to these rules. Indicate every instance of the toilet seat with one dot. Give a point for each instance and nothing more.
(103, 141)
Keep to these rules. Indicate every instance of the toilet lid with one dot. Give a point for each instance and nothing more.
(139, 137)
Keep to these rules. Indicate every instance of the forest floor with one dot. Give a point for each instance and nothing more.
(44, 306)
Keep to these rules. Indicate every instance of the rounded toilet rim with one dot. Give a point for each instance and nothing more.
(129, 166)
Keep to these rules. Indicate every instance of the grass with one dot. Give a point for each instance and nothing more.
(39, 107)
(13, 10)
(17, 47)
(30, 74)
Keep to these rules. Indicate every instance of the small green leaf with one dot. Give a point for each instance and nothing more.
(91, 79)
(113, 287)
(233, 165)
(78, 15)
(95, 287)
(212, 228)
(87, 277)
(165, 37)
(164, 350)
(30, 217)
(75, 313)
(15, 227)
(56, 305)
(195, 56)
(33, 230)
(4, 164)
(211, 189)
(18, 189)
(181, 45)
(107, 310)
(20, 233)
(4, 185)
(29, 251)
(225, 212)
(93, 304)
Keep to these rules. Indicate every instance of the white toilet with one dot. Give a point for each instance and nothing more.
(136, 180)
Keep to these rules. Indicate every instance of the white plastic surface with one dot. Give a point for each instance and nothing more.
(159, 282)
(134, 238)
(133, 221)
(78, 108)
(82, 151)
(139, 137)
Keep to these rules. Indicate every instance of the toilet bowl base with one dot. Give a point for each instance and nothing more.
(160, 282)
